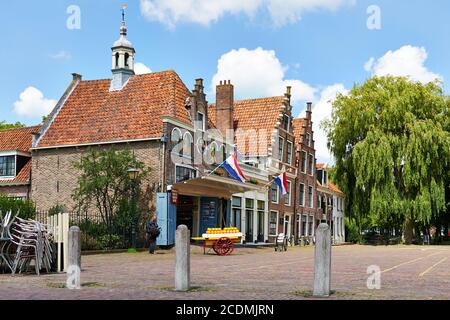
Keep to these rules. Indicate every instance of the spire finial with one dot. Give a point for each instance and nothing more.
(123, 28)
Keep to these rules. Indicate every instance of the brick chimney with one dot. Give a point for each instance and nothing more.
(309, 111)
(224, 107)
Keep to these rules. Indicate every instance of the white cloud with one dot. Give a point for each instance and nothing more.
(140, 68)
(33, 104)
(322, 111)
(61, 55)
(408, 61)
(259, 73)
(172, 12)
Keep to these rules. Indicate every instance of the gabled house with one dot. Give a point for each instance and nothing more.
(156, 117)
(15, 162)
(264, 135)
(331, 206)
(307, 219)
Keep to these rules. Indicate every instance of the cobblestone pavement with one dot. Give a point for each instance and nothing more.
(406, 273)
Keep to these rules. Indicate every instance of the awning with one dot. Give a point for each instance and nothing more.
(213, 186)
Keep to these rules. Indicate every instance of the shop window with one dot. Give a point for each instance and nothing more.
(273, 218)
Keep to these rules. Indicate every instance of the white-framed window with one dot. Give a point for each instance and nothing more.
(8, 166)
(289, 152)
(273, 223)
(201, 120)
(184, 173)
(187, 145)
(304, 156)
(280, 148)
(287, 197)
(286, 123)
(311, 165)
(310, 197)
(302, 195)
(275, 192)
(236, 212)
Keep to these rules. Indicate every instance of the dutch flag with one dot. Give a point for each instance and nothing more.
(282, 182)
(232, 167)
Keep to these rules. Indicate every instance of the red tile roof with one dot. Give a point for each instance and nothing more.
(23, 177)
(93, 114)
(17, 139)
(255, 114)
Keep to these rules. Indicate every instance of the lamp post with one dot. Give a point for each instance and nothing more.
(132, 174)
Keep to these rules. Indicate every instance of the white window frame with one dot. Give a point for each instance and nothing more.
(278, 194)
(311, 165)
(282, 149)
(304, 195)
(290, 194)
(306, 162)
(203, 121)
(191, 139)
(278, 218)
(289, 160)
(186, 167)
(311, 203)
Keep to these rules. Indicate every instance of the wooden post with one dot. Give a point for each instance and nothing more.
(74, 258)
(322, 262)
(182, 263)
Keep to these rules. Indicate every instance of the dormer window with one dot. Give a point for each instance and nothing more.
(8, 166)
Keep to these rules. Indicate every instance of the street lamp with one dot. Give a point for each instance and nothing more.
(132, 174)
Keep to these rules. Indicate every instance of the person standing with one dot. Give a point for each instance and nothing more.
(153, 232)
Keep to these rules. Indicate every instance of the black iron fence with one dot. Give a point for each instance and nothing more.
(96, 234)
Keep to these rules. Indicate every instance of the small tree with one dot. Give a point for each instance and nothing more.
(104, 182)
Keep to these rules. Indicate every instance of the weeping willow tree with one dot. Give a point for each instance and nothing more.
(391, 143)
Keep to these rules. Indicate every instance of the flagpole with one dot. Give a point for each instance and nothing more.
(211, 173)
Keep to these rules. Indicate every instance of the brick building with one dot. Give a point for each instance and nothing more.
(183, 139)
(15, 162)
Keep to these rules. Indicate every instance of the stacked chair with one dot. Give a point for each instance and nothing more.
(23, 241)
(5, 240)
(30, 241)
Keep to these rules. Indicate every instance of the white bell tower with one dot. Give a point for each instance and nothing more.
(122, 58)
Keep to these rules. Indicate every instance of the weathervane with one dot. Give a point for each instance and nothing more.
(124, 7)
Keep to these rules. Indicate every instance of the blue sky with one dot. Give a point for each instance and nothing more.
(320, 47)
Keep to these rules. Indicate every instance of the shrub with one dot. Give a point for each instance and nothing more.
(26, 208)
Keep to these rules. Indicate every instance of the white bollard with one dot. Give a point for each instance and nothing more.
(182, 263)
(74, 259)
(322, 262)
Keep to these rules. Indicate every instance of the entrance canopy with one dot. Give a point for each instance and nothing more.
(213, 186)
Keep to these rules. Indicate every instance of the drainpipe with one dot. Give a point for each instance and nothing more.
(164, 140)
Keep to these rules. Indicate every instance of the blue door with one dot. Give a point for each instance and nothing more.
(208, 214)
(166, 213)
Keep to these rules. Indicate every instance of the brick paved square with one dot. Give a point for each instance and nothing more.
(406, 273)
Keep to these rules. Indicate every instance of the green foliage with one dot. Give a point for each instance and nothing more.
(26, 208)
(391, 143)
(57, 209)
(5, 126)
(353, 234)
(104, 182)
